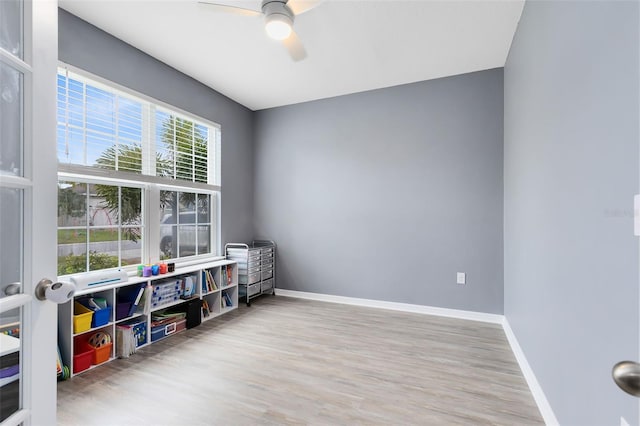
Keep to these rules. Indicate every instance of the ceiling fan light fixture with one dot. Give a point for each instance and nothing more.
(278, 26)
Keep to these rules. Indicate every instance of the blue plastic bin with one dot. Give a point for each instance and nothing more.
(101, 317)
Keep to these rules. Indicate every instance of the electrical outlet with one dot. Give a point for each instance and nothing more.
(636, 215)
(461, 278)
(623, 422)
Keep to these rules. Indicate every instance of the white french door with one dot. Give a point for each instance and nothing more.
(28, 206)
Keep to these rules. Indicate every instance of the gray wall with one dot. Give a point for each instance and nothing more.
(571, 170)
(387, 194)
(91, 49)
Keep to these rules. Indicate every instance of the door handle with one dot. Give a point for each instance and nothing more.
(626, 374)
(60, 292)
(12, 289)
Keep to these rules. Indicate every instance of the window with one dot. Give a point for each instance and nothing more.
(138, 181)
(99, 226)
(186, 224)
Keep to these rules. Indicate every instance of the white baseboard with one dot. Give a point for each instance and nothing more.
(535, 388)
(395, 306)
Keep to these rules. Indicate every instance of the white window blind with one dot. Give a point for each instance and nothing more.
(102, 127)
(98, 127)
(181, 147)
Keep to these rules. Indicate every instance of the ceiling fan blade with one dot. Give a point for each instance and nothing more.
(302, 6)
(232, 9)
(295, 47)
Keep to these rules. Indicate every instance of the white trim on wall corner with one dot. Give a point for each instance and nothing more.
(395, 306)
(536, 390)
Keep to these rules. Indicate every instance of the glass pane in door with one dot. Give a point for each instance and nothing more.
(11, 38)
(11, 241)
(10, 398)
(11, 275)
(10, 119)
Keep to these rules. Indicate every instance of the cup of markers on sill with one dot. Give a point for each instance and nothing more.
(146, 271)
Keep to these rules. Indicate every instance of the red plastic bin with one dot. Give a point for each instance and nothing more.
(82, 357)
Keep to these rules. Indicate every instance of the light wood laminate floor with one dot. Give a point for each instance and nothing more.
(293, 361)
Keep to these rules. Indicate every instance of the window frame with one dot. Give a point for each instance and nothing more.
(86, 180)
(151, 185)
(214, 213)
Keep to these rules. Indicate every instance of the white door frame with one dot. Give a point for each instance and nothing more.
(41, 398)
(38, 331)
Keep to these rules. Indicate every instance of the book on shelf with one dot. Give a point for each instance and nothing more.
(145, 301)
(205, 308)
(188, 287)
(229, 274)
(225, 301)
(62, 371)
(129, 336)
(223, 276)
(133, 295)
(136, 303)
(208, 282)
(213, 281)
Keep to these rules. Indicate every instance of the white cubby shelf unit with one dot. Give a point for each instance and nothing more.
(218, 299)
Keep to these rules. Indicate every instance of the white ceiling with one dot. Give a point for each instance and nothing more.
(352, 46)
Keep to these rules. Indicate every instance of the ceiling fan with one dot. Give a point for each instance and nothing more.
(278, 20)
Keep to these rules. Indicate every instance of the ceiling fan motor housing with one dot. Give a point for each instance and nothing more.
(277, 9)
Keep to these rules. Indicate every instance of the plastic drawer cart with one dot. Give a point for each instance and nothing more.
(256, 267)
